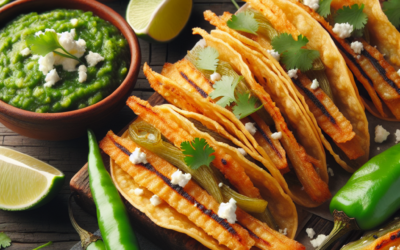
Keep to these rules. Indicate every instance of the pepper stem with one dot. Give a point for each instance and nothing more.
(342, 225)
(86, 237)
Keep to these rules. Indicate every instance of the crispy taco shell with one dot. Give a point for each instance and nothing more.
(312, 180)
(192, 100)
(346, 95)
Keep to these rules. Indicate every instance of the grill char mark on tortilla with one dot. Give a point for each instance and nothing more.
(201, 92)
(266, 138)
(380, 69)
(351, 58)
(181, 192)
(310, 95)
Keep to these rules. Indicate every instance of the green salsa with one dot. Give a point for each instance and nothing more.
(22, 83)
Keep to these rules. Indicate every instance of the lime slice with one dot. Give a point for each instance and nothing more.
(26, 182)
(158, 20)
(3, 2)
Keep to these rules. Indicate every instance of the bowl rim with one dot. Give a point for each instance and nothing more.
(133, 71)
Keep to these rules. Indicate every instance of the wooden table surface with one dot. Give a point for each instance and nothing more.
(30, 229)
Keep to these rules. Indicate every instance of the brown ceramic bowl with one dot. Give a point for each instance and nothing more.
(71, 124)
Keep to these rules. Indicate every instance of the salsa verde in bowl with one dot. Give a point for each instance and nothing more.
(75, 105)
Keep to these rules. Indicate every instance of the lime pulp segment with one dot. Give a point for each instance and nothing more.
(139, 12)
(26, 182)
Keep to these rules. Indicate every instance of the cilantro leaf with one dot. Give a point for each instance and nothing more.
(245, 105)
(197, 153)
(45, 43)
(391, 9)
(243, 21)
(324, 7)
(353, 15)
(207, 59)
(292, 54)
(225, 88)
(5, 241)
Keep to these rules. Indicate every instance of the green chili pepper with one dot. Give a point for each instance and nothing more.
(112, 217)
(370, 197)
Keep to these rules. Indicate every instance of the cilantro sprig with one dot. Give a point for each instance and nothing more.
(243, 21)
(5, 241)
(324, 8)
(391, 9)
(207, 59)
(245, 105)
(45, 43)
(292, 54)
(353, 15)
(197, 153)
(225, 88)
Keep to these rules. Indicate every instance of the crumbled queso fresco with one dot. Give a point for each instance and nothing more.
(274, 54)
(357, 47)
(397, 135)
(310, 232)
(138, 157)
(242, 151)
(343, 30)
(319, 240)
(292, 73)
(179, 178)
(155, 200)
(228, 211)
(313, 4)
(277, 135)
(314, 84)
(138, 191)
(251, 128)
(381, 134)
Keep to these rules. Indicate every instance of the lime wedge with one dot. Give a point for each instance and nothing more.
(3, 2)
(158, 20)
(26, 182)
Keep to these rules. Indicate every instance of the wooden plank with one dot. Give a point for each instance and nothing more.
(185, 41)
(158, 53)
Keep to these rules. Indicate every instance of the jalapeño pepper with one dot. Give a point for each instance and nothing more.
(370, 197)
(112, 216)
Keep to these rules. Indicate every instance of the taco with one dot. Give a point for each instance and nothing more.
(333, 107)
(188, 86)
(369, 43)
(166, 137)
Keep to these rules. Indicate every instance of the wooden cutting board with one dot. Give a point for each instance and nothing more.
(168, 239)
